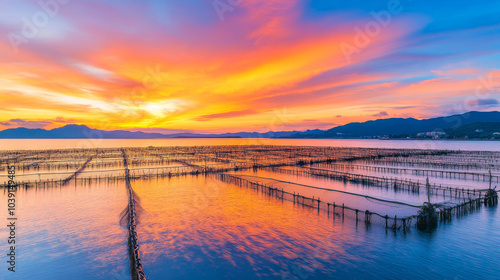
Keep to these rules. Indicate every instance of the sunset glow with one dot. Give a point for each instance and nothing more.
(253, 66)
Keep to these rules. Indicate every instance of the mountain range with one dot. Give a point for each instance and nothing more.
(404, 126)
(375, 128)
(73, 131)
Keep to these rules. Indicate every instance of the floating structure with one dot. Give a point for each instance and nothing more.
(131, 213)
(388, 187)
(461, 180)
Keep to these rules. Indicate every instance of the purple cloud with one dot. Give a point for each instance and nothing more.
(490, 102)
(25, 123)
(381, 114)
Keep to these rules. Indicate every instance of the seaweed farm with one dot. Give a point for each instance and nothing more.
(254, 211)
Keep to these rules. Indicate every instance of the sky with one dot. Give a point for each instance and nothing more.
(214, 66)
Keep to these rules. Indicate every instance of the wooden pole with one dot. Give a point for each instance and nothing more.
(428, 191)
(490, 178)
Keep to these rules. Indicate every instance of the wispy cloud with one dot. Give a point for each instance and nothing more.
(380, 114)
(226, 115)
(13, 123)
(490, 102)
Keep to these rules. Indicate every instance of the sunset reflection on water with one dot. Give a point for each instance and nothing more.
(71, 232)
(193, 223)
(196, 227)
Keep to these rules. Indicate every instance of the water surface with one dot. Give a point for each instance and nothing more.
(195, 227)
(31, 144)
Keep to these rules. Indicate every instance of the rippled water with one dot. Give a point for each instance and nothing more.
(200, 228)
(195, 227)
(68, 233)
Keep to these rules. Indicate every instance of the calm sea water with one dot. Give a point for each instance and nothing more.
(28, 144)
(195, 227)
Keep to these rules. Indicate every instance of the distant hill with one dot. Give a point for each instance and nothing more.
(400, 126)
(452, 125)
(74, 131)
(476, 130)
